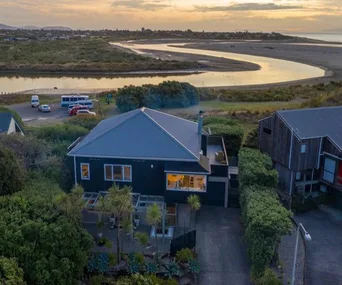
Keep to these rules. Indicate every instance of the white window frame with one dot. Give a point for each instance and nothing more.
(189, 189)
(122, 169)
(83, 177)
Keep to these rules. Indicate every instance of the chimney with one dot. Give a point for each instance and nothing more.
(200, 122)
(199, 130)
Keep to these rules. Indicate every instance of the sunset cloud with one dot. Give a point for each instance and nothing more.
(208, 15)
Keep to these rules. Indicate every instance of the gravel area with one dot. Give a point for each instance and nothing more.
(286, 255)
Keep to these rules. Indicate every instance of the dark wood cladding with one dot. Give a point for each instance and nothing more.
(308, 160)
(276, 144)
(329, 147)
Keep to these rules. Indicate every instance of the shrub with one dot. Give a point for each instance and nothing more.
(265, 219)
(218, 120)
(268, 278)
(251, 140)
(10, 272)
(87, 122)
(184, 255)
(168, 94)
(232, 136)
(61, 132)
(11, 173)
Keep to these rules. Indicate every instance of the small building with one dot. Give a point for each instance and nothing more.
(158, 154)
(306, 148)
(9, 125)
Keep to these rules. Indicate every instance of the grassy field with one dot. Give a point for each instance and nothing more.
(93, 55)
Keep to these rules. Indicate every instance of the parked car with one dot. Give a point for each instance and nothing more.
(75, 109)
(34, 101)
(44, 108)
(72, 106)
(85, 112)
(88, 103)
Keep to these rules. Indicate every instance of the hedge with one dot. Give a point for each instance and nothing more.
(232, 135)
(265, 219)
(168, 94)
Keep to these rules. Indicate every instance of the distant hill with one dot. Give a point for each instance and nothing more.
(60, 28)
(5, 27)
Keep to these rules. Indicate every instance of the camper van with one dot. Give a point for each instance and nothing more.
(34, 101)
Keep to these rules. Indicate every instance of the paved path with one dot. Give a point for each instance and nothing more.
(220, 247)
(324, 252)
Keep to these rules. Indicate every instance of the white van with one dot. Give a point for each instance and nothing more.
(34, 101)
(88, 103)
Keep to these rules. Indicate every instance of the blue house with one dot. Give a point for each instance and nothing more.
(157, 154)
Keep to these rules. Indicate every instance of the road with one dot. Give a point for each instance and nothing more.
(31, 116)
(324, 252)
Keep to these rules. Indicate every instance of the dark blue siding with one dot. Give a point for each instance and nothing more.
(214, 195)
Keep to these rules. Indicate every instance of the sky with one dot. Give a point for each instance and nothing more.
(291, 16)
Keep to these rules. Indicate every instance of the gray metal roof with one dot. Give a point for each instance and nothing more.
(142, 133)
(5, 121)
(316, 122)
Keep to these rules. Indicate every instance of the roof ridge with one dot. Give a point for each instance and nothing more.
(307, 109)
(170, 135)
(108, 130)
(170, 115)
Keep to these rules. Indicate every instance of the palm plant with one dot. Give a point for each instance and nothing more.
(72, 203)
(127, 227)
(100, 207)
(119, 203)
(142, 239)
(194, 203)
(154, 217)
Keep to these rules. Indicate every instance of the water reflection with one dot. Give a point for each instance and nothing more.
(272, 71)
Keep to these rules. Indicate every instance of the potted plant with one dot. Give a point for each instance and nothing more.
(136, 220)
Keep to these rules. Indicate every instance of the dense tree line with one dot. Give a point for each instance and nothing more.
(168, 94)
(265, 219)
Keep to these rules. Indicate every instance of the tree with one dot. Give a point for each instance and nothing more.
(10, 272)
(49, 247)
(194, 203)
(154, 217)
(72, 204)
(127, 228)
(100, 207)
(119, 205)
(142, 239)
(12, 175)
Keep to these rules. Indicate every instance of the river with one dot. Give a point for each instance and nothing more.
(271, 71)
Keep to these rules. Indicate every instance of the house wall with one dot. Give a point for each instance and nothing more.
(147, 180)
(308, 160)
(284, 177)
(13, 128)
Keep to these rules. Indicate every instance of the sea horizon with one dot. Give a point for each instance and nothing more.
(329, 37)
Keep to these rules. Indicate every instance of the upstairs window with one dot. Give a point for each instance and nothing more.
(114, 172)
(303, 148)
(85, 173)
(267, 130)
(329, 170)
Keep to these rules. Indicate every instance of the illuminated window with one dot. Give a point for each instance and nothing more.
(185, 182)
(85, 174)
(113, 172)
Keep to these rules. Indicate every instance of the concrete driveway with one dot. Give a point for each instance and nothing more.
(324, 252)
(221, 252)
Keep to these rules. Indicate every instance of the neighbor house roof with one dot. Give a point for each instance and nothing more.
(5, 121)
(143, 134)
(316, 122)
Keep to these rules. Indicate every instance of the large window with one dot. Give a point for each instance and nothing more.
(85, 173)
(329, 170)
(186, 182)
(113, 172)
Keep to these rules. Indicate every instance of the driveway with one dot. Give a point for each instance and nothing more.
(221, 252)
(324, 252)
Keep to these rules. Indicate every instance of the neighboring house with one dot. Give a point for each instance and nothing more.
(8, 124)
(157, 154)
(306, 148)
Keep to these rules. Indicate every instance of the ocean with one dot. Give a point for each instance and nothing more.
(329, 37)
